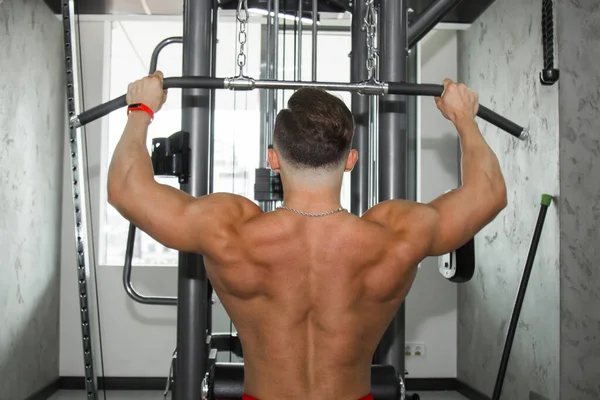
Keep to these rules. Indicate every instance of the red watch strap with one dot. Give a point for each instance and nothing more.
(141, 107)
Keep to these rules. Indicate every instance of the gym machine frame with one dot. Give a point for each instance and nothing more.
(194, 293)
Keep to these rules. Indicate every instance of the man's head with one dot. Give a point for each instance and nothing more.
(314, 134)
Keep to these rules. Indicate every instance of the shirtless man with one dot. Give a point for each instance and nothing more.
(310, 288)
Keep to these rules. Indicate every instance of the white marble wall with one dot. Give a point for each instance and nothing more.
(31, 138)
(579, 59)
(500, 56)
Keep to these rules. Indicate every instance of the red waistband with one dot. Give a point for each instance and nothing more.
(246, 397)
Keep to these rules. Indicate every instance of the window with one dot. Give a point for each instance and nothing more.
(132, 43)
(237, 114)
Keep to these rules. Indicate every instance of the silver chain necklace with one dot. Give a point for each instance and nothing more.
(307, 214)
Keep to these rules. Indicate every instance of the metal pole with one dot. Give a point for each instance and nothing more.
(412, 137)
(315, 15)
(192, 285)
(428, 19)
(275, 58)
(393, 146)
(359, 179)
(79, 196)
(272, 96)
(269, 41)
(300, 28)
(266, 98)
(516, 312)
(211, 173)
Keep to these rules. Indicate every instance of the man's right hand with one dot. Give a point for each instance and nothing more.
(458, 102)
(148, 91)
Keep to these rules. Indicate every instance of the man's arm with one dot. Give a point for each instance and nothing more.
(172, 217)
(454, 218)
(458, 215)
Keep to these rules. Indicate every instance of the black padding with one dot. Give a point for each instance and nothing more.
(227, 382)
(385, 383)
(465, 263)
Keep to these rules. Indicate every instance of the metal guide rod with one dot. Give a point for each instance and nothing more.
(272, 95)
(269, 39)
(79, 192)
(393, 148)
(211, 165)
(300, 31)
(192, 281)
(276, 39)
(359, 177)
(428, 19)
(315, 16)
(275, 75)
(373, 155)
(266, 98)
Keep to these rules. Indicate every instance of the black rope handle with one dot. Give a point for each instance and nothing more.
(549, 75)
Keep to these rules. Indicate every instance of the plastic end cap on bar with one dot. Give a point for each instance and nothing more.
(546, 200)
(524, 135)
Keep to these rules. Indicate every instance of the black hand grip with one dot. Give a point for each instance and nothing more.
(192, 82)
(414, 89)
(100, 111)
(503, 123)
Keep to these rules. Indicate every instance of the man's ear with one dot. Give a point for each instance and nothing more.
(274, 161)
(351, 161)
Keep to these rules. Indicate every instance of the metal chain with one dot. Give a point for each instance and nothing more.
(307, 214)
(243, 16)
(370, 26)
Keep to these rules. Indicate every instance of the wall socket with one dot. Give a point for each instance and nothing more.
(414, 349)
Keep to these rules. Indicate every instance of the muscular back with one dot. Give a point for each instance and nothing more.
(310, 299)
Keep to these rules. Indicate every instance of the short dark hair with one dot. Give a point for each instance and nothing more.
(315, 131)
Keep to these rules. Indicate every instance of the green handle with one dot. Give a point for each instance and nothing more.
(546, 200)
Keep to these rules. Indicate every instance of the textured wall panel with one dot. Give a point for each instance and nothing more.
(501, 56)
(31, 139)
(579, 57)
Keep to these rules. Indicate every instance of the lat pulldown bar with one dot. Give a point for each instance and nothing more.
(243, 83)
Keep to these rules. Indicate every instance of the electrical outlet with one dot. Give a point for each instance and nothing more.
(414, 349)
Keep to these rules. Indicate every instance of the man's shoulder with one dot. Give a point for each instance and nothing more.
(229, 206)
(409, 224)
(394, 213)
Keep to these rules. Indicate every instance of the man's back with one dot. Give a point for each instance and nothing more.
(310, 298)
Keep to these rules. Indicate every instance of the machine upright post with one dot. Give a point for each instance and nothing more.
(300, 37)
(359, 179)
(393, 147)
(83, 234)
(192, 283)
(315, 29)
